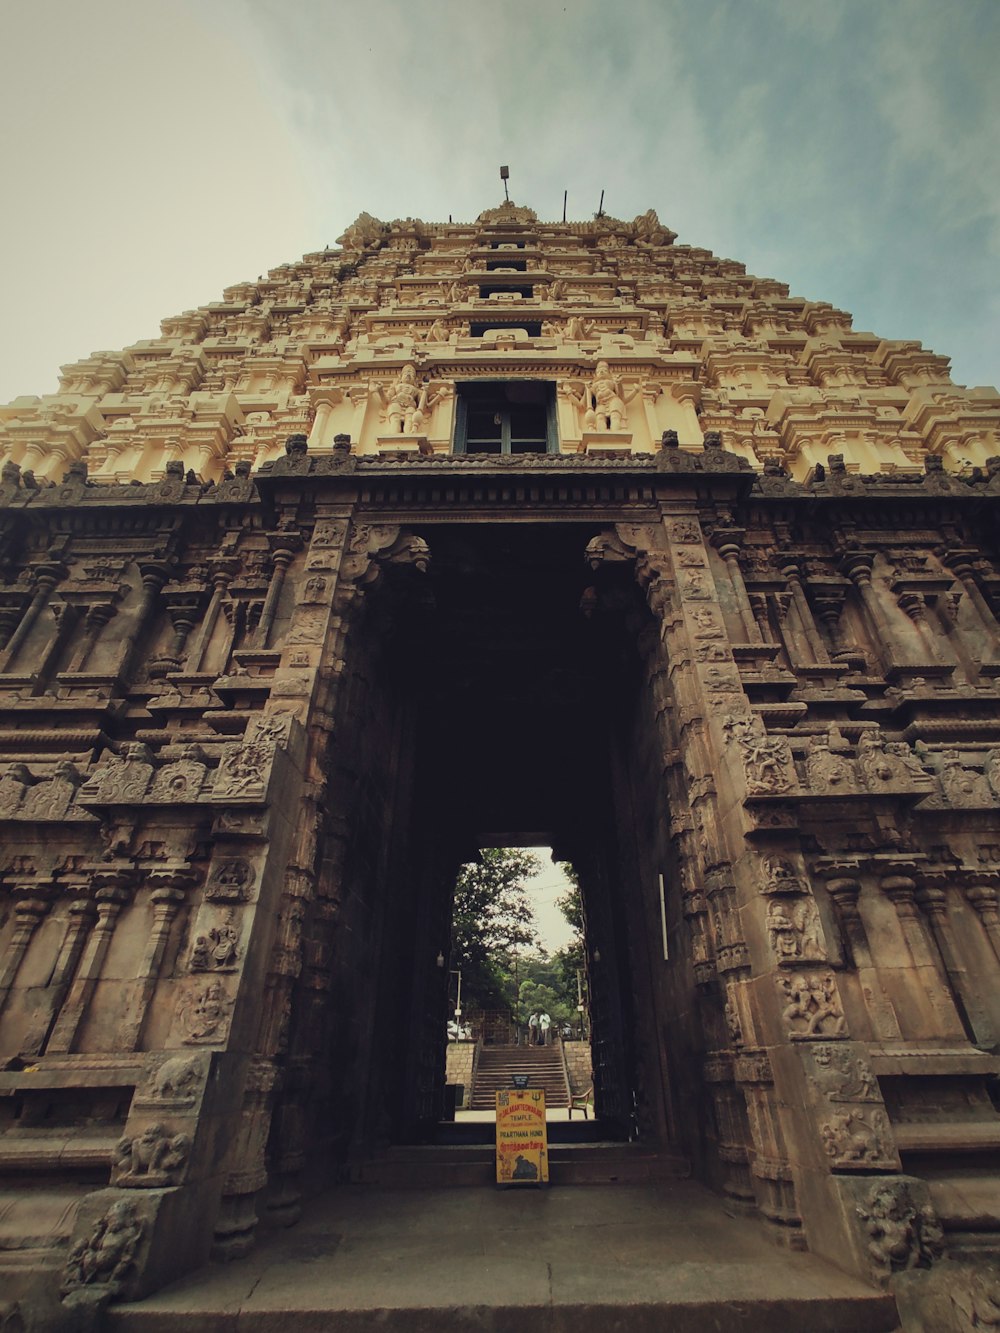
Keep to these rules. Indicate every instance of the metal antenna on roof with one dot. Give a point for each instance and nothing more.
(565, 193)
(600, 207)
(505, 176)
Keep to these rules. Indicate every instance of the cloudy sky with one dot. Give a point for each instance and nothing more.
(155, 151)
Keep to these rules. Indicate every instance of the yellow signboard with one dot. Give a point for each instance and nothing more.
(522, 1148)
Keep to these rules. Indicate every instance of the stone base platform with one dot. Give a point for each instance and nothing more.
(580, 1259)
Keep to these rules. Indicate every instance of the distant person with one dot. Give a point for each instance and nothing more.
(544, 1023)
(533, 1029)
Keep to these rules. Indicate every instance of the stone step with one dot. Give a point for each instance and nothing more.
(634, 1259)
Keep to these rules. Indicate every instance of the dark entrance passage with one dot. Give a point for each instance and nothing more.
(514, 717)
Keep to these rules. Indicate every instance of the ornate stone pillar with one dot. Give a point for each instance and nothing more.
(283, 553)
(961, 562)
(47, 575)
(166, 899)
(728, 541)
(899, 885)
(81, 916)
(112, 892)
(857, 565)
(811, 636)
(844, 888)
(982, 893)
(28, 912)
(932, 897)
(222, 573)
(98, 615)
(154, 574)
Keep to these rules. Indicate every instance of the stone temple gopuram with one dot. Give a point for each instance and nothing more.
(488, 534)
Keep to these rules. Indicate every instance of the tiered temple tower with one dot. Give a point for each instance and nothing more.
(463, 532)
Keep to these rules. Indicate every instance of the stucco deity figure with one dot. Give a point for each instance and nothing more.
(603, 401)
(407, 403)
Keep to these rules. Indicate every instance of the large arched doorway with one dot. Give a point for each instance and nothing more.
(503, 699)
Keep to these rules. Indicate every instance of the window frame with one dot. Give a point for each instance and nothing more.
(462, 402)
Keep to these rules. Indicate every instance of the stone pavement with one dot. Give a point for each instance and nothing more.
(582, 1259)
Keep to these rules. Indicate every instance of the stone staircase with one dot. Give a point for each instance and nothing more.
(497, 1066)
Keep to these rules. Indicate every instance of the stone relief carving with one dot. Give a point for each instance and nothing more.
(780, 876)
(182, 780)
(407, 403)
(120, 779)
(794, 930)
(840, 1075)
(858, 1139)
(104, 1259)
(15, 782)
(684, 531)
(889, 764)
(204, 1015)
(218, 950)
(712, 652)
(813, 1006)
(150, 1159)
(767, 760)
(695, 587)
(174, 1082)
(690, 559)
(706, 624)
(961, 785)
(308, 627)
(244, 766)
(315, 589)
(829, 772)
(901, 1233)
(733, 1026)
(52, 797)
(231, 881)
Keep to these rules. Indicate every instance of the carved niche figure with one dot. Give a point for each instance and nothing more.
(204, 1015)
(991, 768)
(695, 587)
(707, 626)
(52, 798)
(794, 930)
(176, 1080)
(813, 1009)
(842, 1076)
(218, 951)
(859, 1139)
(231, 881)
(828, 771)
(767, 760)
(780, 876)
(14, 783)
(245, 765)
(685, 530)
(901, 1235)
(603, 401)
(733, 1026)
(407, 404)
(878, 767)
(181, 780)
(961, 785)
(119, 779)
(150, 1159)
(105, 1257)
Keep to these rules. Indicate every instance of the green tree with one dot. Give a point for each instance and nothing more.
(491, 919)
(570, 961)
